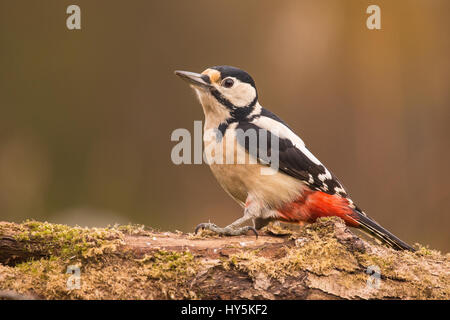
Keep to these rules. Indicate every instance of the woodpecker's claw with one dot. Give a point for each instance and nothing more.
(202, 226)
(227, 231)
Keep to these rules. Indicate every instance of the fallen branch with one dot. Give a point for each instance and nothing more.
(321, 261)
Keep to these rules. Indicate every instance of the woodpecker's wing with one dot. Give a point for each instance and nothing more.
(295, 159)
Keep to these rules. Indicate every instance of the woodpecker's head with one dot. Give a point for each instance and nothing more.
(224, 90)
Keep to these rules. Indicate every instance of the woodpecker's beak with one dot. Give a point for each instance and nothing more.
(195, 79)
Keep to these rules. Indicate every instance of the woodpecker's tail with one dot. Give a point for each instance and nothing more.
(374, 229)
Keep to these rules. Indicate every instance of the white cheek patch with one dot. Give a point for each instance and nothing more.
(240, 95)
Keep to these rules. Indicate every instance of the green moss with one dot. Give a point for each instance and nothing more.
(426, 251)
(41, 267)
(316, 252)
(132, 229)
(385, 262)
(170, 265)
(65, 241)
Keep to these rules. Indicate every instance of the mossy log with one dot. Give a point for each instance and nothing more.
(324, 260)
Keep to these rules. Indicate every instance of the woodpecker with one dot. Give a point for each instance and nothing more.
(301, 190)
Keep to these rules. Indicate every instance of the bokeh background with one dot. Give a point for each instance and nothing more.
(86, 116)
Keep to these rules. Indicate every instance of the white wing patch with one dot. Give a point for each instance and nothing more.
(284, 132)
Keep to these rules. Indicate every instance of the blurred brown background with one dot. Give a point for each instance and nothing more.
(86, 116)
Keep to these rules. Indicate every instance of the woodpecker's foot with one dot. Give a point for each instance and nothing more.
(226, 231)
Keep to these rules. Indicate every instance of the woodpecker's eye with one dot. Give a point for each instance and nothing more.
(227, 83)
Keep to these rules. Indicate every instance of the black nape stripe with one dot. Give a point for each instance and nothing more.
(241, 113)
(221, 99)
(237, 114)
(227, 103)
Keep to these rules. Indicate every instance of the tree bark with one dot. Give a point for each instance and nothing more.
(324, 260)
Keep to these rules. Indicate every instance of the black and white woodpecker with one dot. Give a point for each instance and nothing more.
(301, 190)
